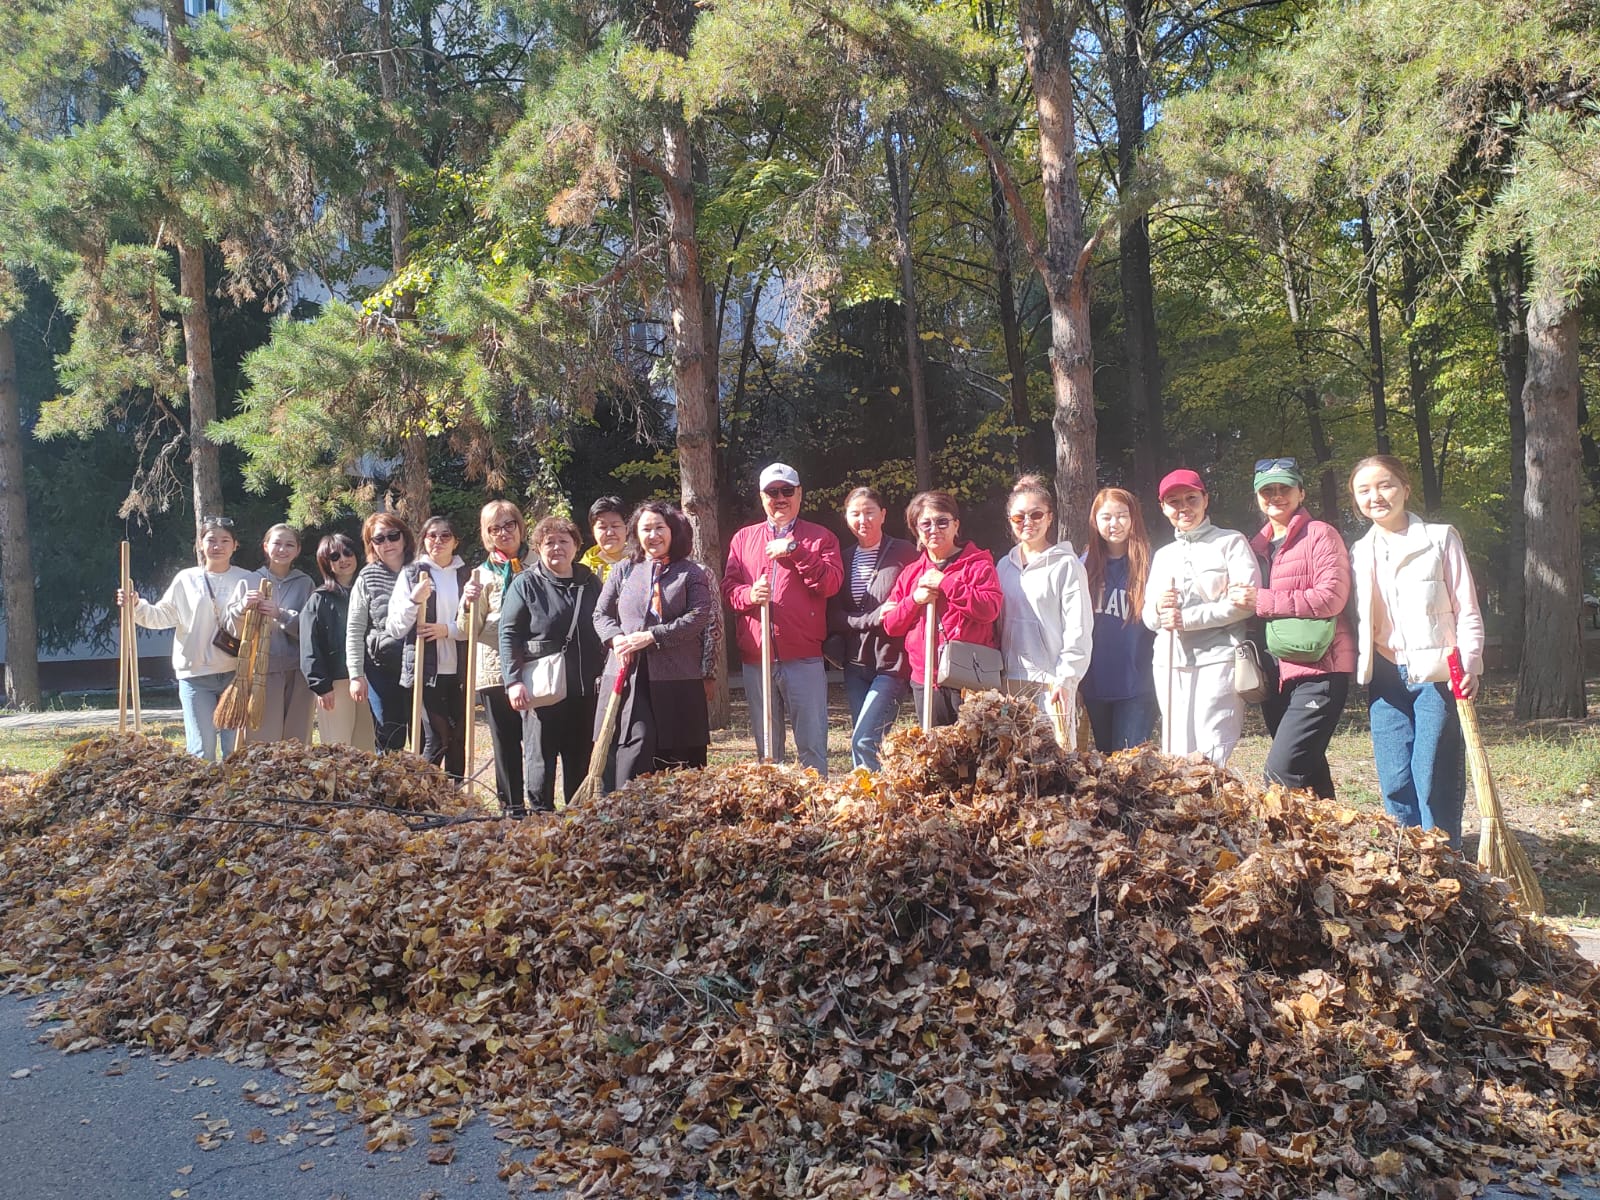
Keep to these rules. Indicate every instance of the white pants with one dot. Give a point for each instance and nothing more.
(1206, 714)
(349, 723)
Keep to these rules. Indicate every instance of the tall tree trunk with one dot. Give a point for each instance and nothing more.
(1506, 285)
(1140, 341)
(1047, 49)
(1375, 378)
(1550, 682)
(1297, 300)
(1005, 286)
(898, 172)
(16, 551)
(694, 363)
(416, 485)
(204, 454)
(1417, 384)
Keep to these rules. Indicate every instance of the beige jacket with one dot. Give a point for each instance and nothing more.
(485, 632)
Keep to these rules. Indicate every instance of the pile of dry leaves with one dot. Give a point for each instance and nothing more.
(993, 970)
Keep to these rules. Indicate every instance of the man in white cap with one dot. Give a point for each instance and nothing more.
(793, 566)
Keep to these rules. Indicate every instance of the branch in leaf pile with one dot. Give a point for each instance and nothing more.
(889, 48)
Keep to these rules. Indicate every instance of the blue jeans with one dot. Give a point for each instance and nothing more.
(198, 695)
(874, 703)
(800, 695)
(1417, 746)
(1121, 724)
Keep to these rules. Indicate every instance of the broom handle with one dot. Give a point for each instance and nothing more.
(124, 690)
(766, 681)
(470, 649)
(1172, 656)
(416, 690)
(930, 634)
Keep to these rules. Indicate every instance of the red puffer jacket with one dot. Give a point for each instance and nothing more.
(968, 610)
(1310, 578)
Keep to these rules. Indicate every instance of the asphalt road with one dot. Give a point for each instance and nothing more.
(120, 1124)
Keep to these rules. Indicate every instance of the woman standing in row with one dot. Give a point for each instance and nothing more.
(1046, 625)
(876, 672)
(192, 607)
(953, 584)
(1199, 620)
(1415, 603)
(427, 597)
(1119, 691)
(501, 526)
(323, 621)
(653, 613)
(1305, 583)
(372, 657)
(287, 716)
(550, 610)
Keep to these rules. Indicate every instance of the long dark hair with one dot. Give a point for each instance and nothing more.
(682, 544)
(1095, 555)
(325, 549)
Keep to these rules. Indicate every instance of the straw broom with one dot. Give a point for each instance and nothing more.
(243, 702)
(1499, 852)
(123, 615)
(589, 789)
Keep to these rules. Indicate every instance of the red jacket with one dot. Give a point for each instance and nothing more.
(1310, 578)
(969, 605)
(801, 585)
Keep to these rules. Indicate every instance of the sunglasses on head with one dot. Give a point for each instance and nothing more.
(780, 491)
(391, 535)
(217, 523)
(1276, 464)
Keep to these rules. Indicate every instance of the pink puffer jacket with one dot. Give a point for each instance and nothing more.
(1310, 578)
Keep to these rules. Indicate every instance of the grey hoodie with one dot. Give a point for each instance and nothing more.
(290, 595)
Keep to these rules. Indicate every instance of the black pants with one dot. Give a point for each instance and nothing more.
(505, 734)
(1302, 716)
(562, 731)
(443, 715)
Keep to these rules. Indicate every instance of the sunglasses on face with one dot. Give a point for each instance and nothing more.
(507, 527)
(383, 539)
(438, 535)
(933, 523)
(1276, 464)
(781, 491)
(1034, 515)
(340, 554)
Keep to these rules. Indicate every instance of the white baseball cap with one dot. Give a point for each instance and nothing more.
(779, 473)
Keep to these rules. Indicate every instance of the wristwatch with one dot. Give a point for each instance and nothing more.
(792, 545)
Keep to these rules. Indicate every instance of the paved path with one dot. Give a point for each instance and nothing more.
(84, 718)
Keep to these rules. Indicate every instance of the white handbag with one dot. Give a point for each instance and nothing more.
(546, 676)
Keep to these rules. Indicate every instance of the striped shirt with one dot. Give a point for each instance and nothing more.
(864, 566)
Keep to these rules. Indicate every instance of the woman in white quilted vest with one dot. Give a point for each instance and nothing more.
(1198, 623)
(1415, 602)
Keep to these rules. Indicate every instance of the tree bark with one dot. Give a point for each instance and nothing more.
(1047, 50)
(16, 550)
(898, 172)
(1140, 340)
(1375, 379)
(1417, 385)
(1506, 285)
(1550, 682)
(204, 454)
(416, 484)
(694, 362)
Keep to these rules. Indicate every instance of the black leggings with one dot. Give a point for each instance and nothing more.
(1302, 716)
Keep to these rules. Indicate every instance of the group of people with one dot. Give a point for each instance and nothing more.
(1137, 635)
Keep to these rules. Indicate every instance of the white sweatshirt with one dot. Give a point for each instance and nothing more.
(1047, 620)
(194, 615)
(447, 603)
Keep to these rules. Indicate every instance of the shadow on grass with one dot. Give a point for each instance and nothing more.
(1568, 866)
